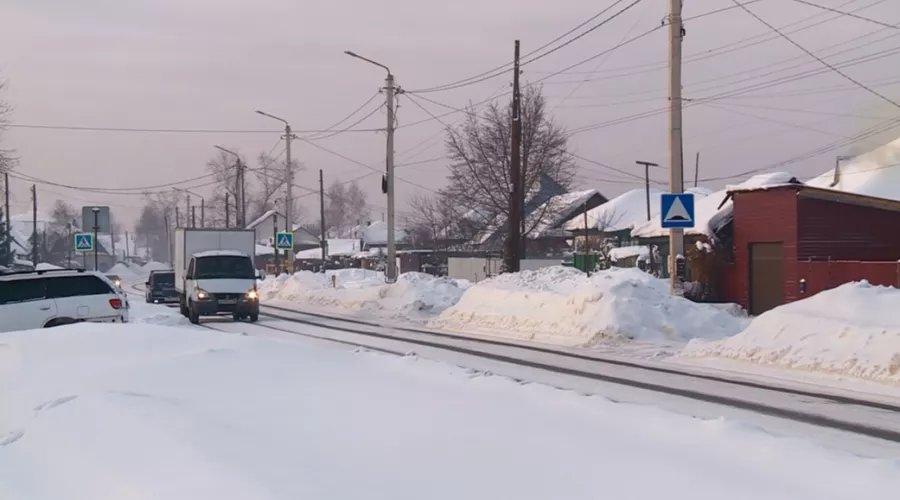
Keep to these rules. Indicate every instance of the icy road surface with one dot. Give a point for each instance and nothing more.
(155, 412)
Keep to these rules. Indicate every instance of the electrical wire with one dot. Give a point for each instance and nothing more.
(814, 56)
(349, 116)
(848, 14)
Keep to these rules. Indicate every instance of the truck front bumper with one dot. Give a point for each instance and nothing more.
(214, 306)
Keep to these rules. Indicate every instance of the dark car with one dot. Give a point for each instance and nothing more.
(161, 288)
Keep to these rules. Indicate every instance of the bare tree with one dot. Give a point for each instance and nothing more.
(7, 160)
(346, 206)
(431, 219)
(480, 155)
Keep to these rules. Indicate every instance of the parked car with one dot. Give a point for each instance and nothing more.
(161, 288)
(41, 299)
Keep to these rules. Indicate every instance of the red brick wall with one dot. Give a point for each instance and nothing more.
(762, 217)
(824, 275)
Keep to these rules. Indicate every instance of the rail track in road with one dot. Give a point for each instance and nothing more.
(881, 419)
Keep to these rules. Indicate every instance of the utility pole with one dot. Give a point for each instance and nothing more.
(187, 208)
(289, 176)
(202, 212)
(126, 245)
(647, 165)
(389, 164)
(676, 167)
(193, 217)
(34, 233)
(511, 259)
(168, 237)
(96, 212)
(275, 239)
(227, 215)
(322, 218)
(69, 246)
(8, 230)
(587, 268)
(177, 218)
(696, 168)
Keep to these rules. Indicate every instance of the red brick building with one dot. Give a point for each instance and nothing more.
(793, 241)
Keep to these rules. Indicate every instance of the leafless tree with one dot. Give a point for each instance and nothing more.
(346, 206)
(431, 219)
(7, 160)
(480, 150)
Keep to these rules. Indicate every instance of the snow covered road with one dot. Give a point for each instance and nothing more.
(144, 411)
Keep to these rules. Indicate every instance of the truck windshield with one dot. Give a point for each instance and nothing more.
(164, 279)
(224, 266)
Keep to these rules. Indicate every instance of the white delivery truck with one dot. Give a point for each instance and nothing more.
(214, 273)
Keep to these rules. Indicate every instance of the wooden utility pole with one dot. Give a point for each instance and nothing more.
(676, 164)
(696, 168)
(514, 230)
(227, 215)
(647, 166)
(585, 247)
(324, 241)
(34, 233)
(275, 240)
(8, 229)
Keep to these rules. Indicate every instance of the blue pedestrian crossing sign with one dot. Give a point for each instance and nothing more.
(677, 210)
(284, 241)
(84, 242)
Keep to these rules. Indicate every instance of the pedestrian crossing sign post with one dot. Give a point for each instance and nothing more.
(284, 241)
(677, 210)
(84, 242)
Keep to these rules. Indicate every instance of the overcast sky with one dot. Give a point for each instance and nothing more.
(203, 64)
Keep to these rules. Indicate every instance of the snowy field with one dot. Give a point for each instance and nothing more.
(155, 412)
(415, 296)
(852, 331)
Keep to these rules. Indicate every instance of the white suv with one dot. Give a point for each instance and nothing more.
(39, 299)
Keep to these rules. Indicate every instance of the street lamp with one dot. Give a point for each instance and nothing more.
(391, 268)
(289, 177)
(240, 210)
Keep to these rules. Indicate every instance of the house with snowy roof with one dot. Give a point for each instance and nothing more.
(271, 222)
(547, 208)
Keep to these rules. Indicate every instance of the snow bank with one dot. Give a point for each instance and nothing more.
(148, 412)
(853, 330)
(44, 266)
(121, 270)
(155, 314)
(155, 266)
(563, 306)
(414, 294)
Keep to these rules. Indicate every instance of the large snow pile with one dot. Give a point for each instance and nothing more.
(853, 329)
(363, 290)
(562, 305)
(155, 314)
(155, 266)
(121, 270)
(92, 412)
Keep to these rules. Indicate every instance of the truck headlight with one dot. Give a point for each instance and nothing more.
(201, 294)
(252, 295)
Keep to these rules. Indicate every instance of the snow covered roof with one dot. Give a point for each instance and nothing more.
(556, 210)
(337, 247)
(376, 233)
(259, 220)
(622, 212)
(221, 253)
(876, 173)
(626, 252)
(708, 214)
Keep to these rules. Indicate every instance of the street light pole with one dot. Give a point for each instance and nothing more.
(389, 90)
(289, 180)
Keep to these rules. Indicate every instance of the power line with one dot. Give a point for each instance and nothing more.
(848, 14)
(348, 128)
(811, 54)
(505, 67)
(352, 113)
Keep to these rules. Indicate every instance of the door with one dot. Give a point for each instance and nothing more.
(24, 305)
(766, 276)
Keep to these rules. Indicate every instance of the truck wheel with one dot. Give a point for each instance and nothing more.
(183, 306)
(254, 318)
(193, 315)
(236, 317)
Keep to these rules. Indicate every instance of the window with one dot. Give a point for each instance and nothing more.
(76, 286)
(223, 266)
(163, 279)
(15, 291)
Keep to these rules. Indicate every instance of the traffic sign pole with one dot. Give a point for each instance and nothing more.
(96, 211)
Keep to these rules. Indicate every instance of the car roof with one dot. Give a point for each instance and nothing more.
(221, 253)
(49, 273)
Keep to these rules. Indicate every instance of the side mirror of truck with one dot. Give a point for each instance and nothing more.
(260, 274)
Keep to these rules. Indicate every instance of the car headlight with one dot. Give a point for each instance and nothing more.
(201, 294)
(252, 295)
(118, 283)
